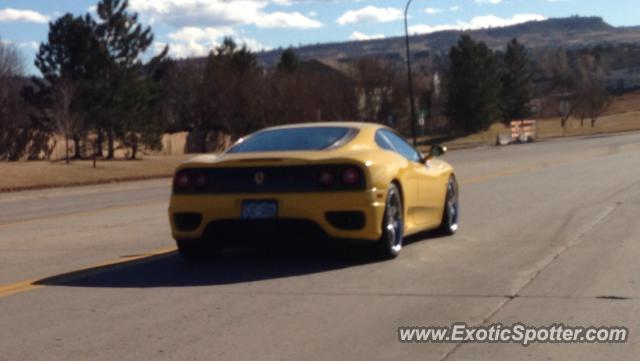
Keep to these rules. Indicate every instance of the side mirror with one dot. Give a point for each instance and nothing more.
(437, 150)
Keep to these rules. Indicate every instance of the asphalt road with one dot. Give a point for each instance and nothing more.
(550, 234)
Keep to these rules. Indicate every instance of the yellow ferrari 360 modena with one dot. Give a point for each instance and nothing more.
(342, 180)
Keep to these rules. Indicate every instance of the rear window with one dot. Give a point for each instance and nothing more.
(292, 139)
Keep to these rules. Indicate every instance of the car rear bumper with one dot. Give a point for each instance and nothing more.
(355, 215)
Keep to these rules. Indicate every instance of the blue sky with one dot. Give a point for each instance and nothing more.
(193, 27)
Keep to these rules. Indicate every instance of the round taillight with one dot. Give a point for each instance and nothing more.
(182, 180)
(201, 180)
(325, 178)
(350, 176)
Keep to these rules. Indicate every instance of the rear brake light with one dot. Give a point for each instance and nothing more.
(350, 176)
(182, 180)
(326, 178)
(201, 180)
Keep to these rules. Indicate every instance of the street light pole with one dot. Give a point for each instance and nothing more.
(410, 76)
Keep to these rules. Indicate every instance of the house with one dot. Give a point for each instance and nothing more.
(623, 79)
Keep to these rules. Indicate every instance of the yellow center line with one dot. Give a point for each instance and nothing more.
(33, 284)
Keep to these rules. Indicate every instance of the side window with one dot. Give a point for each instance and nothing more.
(383, 142)
(401, 146)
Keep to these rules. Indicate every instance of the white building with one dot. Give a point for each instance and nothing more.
(623, 79)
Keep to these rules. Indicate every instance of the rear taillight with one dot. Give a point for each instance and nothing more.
(182, 181)
(351, 176)
(340, 177)
(326, 178)
(201, 180)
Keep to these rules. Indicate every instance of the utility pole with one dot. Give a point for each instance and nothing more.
(410, 76)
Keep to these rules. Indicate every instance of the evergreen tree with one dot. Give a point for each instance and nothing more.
(516, 83)
(102, 58)
(226, 94)
(70, 58)
(71, 51)
(125, 98)
(289, 61)
(473, 86)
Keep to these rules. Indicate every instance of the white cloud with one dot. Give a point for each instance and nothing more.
(428, 29)
(432, 11)
(286, 20)
(195, 34)
(356, 35)
(30, 44)
(455, 8)
(215, 13)
(370, 14)
(488, 1)
(193, 41)
(27, 16)
(478, 22)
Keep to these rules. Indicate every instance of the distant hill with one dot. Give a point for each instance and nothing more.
(572, 32)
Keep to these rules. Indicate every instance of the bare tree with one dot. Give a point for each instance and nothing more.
(592, 90)
(570, 102)
(11, 60)
(596, 102)
(66, 117)
(13, 131)
(377, 88)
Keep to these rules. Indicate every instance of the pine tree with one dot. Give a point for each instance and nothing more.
(516, 83)
(102, 58)
(473, 86)
(70, 58)
(289, 61)
(125, 97)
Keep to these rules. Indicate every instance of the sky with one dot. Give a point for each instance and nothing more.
(194, 27)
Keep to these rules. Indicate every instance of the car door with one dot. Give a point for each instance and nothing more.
(408, 179)
(427, 208)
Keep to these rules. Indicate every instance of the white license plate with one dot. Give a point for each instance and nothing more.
(259, 209)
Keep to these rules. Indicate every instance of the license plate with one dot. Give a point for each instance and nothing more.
(259, 209)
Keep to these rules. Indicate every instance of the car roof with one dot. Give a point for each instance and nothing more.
(357, 125)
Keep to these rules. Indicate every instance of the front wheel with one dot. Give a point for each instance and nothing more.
(449, 224)
(390, 242)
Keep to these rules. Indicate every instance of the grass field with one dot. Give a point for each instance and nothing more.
(43, 174)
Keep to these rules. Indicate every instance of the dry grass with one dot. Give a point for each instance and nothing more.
(624, 115)
(42, 174)
(550, 128)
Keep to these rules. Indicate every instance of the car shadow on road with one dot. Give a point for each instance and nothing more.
(231, 267)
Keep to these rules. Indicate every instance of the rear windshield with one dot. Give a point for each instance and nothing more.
(292, 139)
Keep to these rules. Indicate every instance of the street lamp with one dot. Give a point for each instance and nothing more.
(410, 76)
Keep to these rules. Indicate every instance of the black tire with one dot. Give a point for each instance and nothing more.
(194, 250)
(450, 216)
(390, 243)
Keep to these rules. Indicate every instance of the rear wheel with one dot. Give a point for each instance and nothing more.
(390, 242)
(449, 225)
